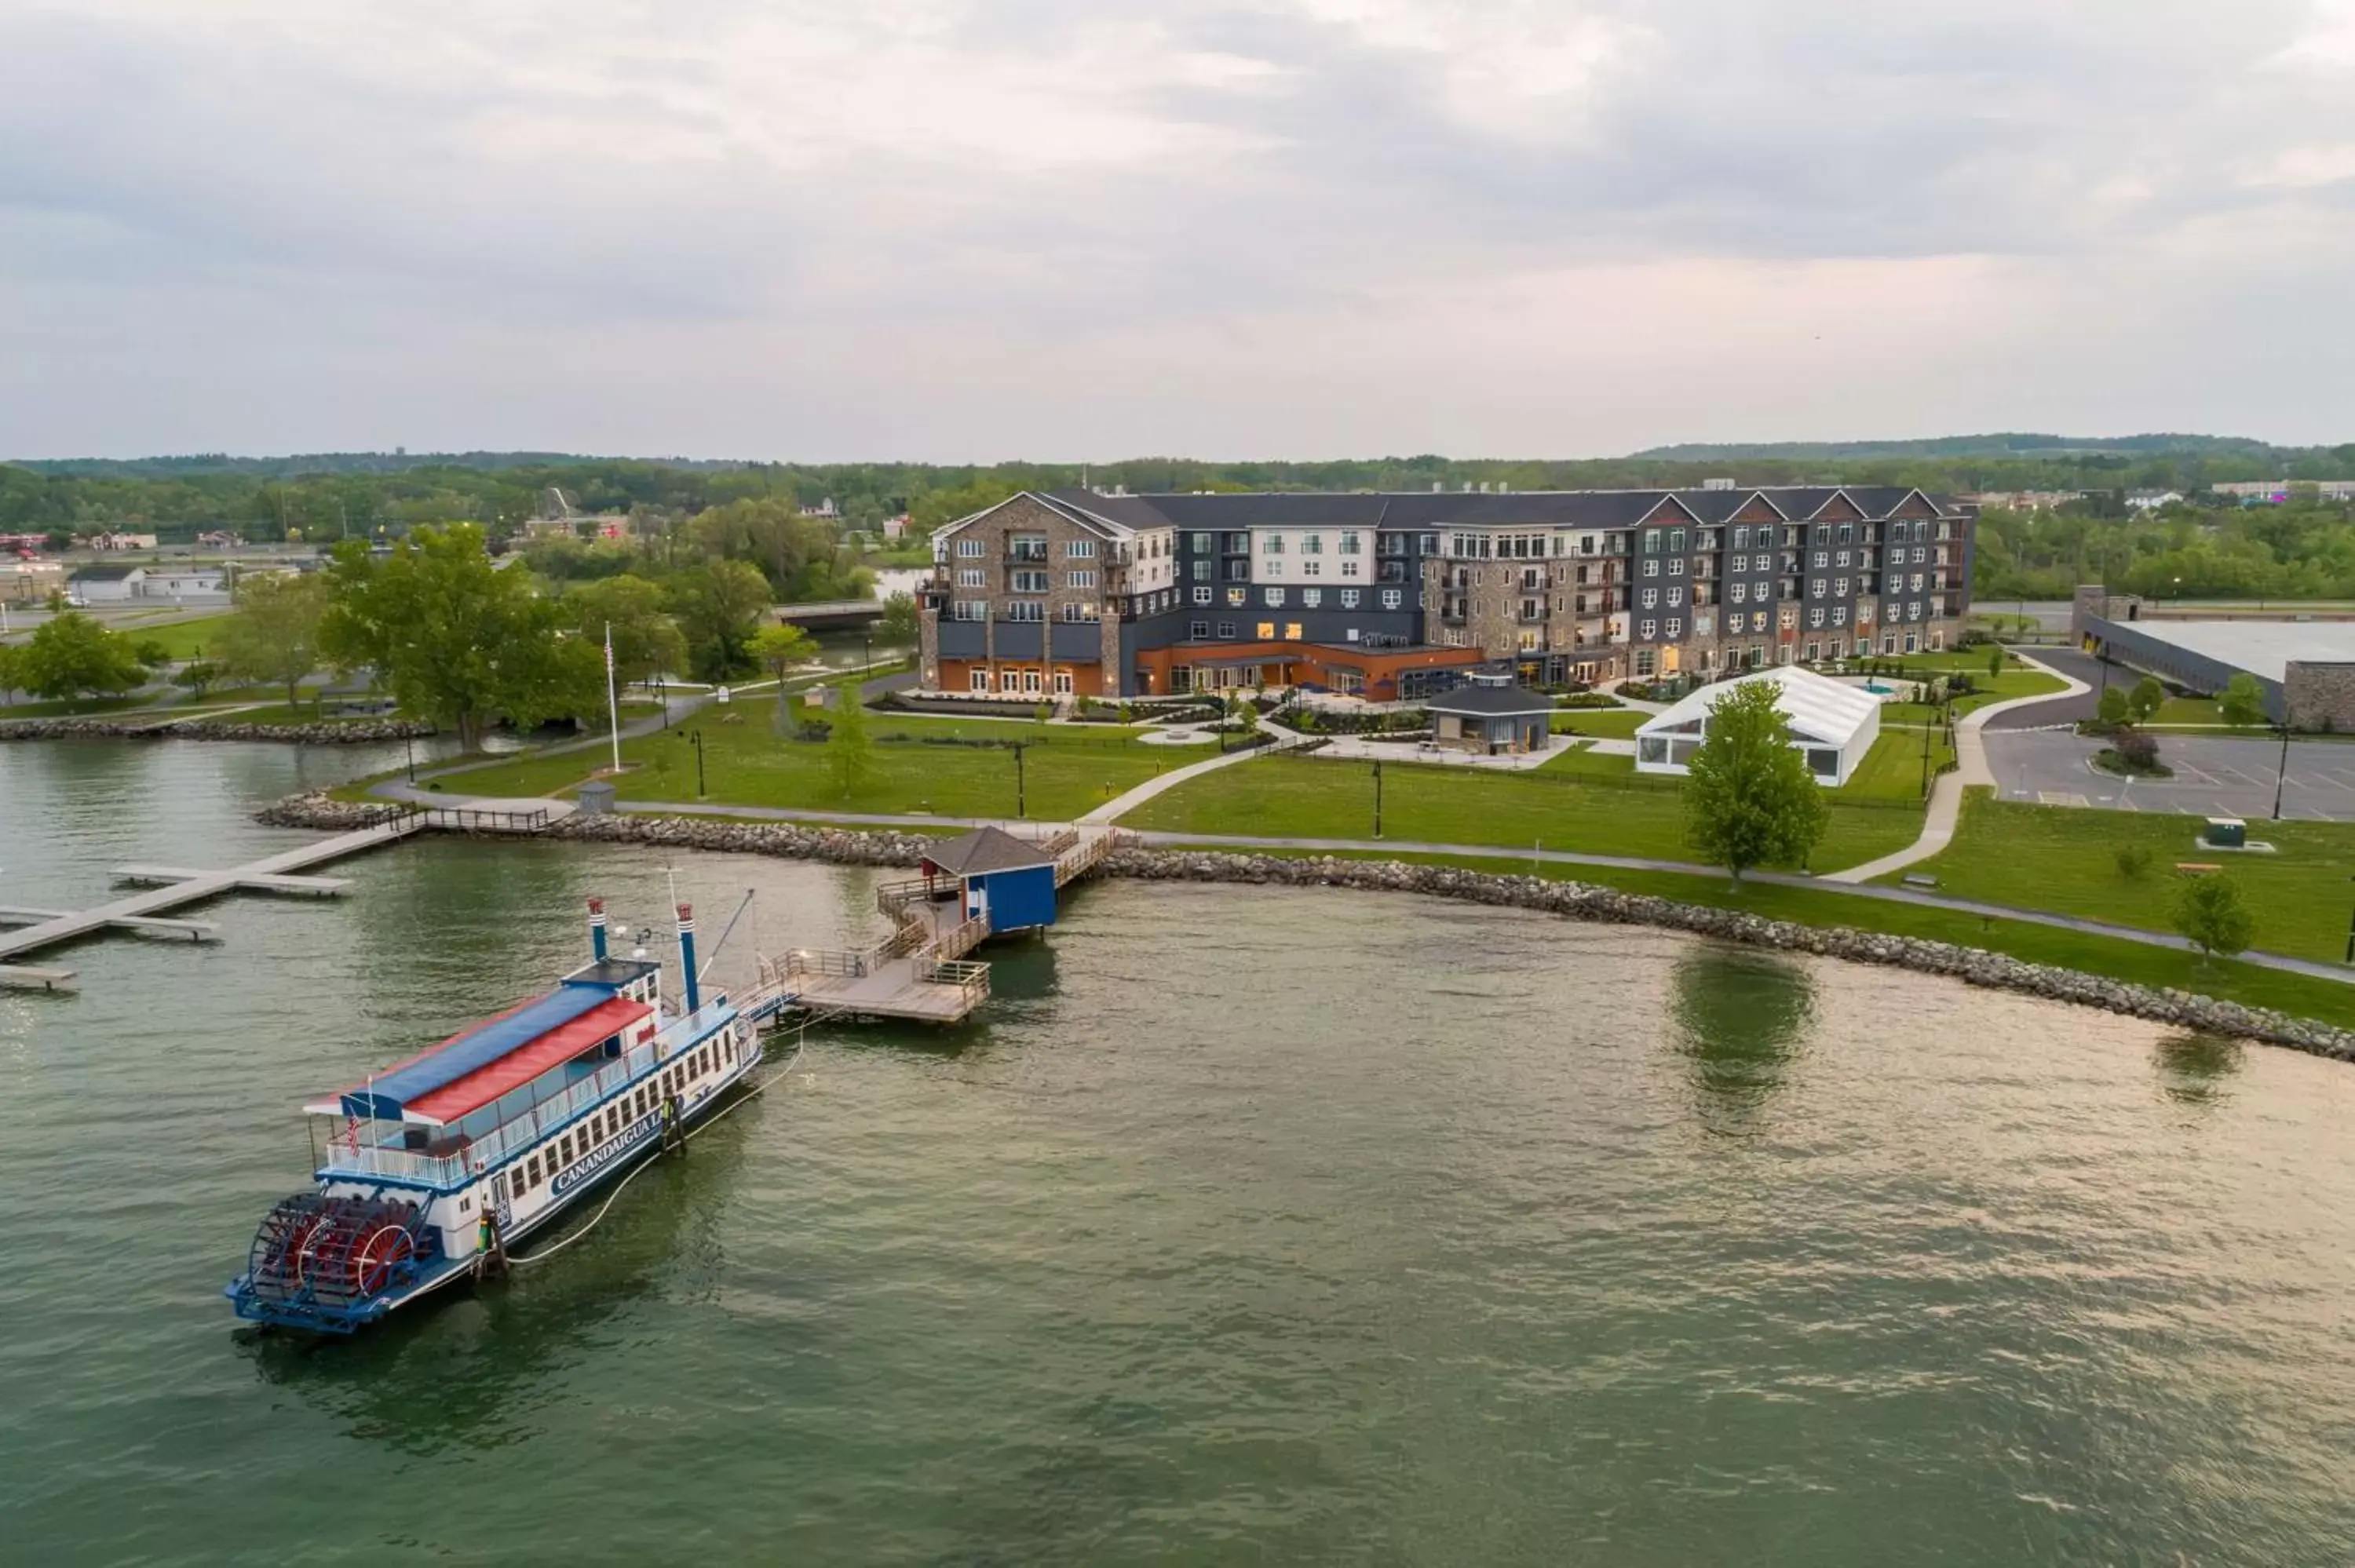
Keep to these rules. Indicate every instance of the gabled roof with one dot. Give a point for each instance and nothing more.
(1491, 702)
(1817, 707)
(1087, 518)
(985, 850)
(107, 572)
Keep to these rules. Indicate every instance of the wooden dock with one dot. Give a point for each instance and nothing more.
(919, 971)
(171, 887)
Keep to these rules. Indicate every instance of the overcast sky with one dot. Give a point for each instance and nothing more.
(1068, 228)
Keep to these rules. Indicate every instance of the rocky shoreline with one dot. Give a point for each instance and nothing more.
(357, 733)
(1572, 900)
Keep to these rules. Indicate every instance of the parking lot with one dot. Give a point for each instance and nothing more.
(2214, 776)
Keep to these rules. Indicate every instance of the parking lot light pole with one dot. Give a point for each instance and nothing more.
(2281, 774)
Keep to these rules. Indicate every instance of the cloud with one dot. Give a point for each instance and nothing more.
(1039, 226)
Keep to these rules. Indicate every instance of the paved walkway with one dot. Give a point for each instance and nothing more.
(1112, 810)
(1947, 795)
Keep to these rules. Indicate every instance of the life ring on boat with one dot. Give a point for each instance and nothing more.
(372, 1262)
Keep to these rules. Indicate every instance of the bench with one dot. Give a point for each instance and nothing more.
(2196, 868)
(1914, 879)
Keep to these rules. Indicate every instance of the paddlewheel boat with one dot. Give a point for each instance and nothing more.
(428, 1171)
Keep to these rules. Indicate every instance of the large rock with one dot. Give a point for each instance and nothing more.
(357, 732)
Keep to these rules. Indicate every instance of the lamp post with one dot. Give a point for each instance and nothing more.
(1378, 796)
(409, 745)
(2281, 774)
(1021, 799)
(696, 737)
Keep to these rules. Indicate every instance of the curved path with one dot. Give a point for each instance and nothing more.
(1970, 769)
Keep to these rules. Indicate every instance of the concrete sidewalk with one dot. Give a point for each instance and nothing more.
(1970, 768)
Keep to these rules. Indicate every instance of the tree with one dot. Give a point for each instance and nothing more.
(779, 648)
(2148, 698)
(275, 634)
(849, 751)
(456, 640)
(12, 678)
(646, 641)
(718, 605)
(899, 623)
(72, 655)
(196, 676)
(2111, 709)
(2242, 702)
(2210, 911)
(1995, 663)
(151, 654)
(1750, 800)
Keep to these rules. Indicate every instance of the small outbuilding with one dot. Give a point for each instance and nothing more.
(1007, 881)
(108, 582)
(1491, 716)
(1833, 724)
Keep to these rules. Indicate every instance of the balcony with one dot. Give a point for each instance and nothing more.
(1027, 554)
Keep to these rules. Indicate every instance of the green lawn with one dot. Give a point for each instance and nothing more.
(183, 639)
(1892, 770)
(2065, 860)
(1065, 772)
(1560, 809)
(2245, 983)
(1617, 723)
(1584, 759)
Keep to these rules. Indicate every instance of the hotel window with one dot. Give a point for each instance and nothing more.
(1349, 599)
(1839, 588)
(1651, 597)
(1821, 560)
(1227, 630)
(1311, 597)
(1201, 571)
(1311, 568)
(1896, 582)
(1025, 609)
(1816, 616)
(1312, 543)
(1392, 599)
(1816, 588)
(1840, 615)
(1913, 610)
(1292, 630)
(972, 576)
(1081, 550)
(1202, 543)
(1239, 569)
(1651, 568)
(1675, 597)
(1917, 582)
(970, 610)
(1676, 539)
(1266, 632)
(1080, 579)
(1647, 630)
(1675, 565)
(970, 549)
(1235, 597)
(1203, 596)
(1198, 630)
(1738, 593)
(1030, 582)
(1676, 629)
(1273, 545)
(1742, 538)
(1841, 560)
(1273, 598)
(1080, 612)
(1349, 545)
(1348, 568)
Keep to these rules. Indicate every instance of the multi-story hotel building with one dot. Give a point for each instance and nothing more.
(1392, 596)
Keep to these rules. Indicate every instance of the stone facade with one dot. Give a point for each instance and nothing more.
(2321, 696)
(1027, 555)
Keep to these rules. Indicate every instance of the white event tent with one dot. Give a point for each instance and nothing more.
(1833, 724)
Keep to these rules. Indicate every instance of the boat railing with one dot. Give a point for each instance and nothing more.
(519, 1131)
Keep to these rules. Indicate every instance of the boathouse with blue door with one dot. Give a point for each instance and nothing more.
(995, 875)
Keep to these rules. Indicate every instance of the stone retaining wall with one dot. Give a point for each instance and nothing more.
(357, 733)
(1574, 900)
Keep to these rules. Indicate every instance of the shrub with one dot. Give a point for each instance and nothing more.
(2148, 698)
(2136, 750)
(2210, 911)
(2113, 708)
(2134, 860)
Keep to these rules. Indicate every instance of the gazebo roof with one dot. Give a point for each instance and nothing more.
(985, 850)
(1491, 702)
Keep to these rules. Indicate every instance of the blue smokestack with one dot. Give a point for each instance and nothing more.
(686, 955)
(597, 930)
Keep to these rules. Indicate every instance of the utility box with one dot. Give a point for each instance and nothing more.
(2227, 832)
(596, 797)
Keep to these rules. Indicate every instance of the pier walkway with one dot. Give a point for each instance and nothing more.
(921, 970)
(171, 887)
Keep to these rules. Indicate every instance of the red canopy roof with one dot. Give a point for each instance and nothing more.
(528, 1061)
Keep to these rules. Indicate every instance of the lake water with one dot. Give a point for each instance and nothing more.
(1248, 1226)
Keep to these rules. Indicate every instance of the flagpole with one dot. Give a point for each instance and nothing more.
(613, 703)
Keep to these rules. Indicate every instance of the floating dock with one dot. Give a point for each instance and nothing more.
(171, 887)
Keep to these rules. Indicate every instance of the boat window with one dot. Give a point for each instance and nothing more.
(531, 1174)
(564, 1151)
